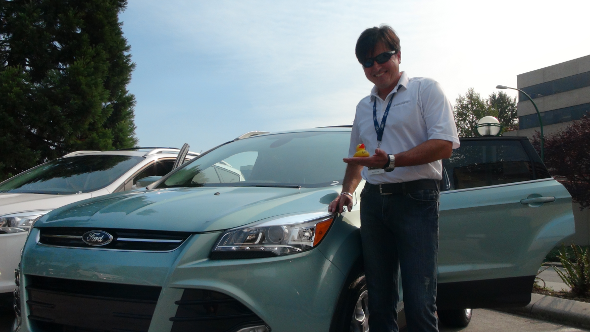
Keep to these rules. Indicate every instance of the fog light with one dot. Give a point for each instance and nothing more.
(258, 328)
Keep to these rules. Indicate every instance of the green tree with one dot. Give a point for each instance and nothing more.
(64, 70)
(471, 107)
(505, 107)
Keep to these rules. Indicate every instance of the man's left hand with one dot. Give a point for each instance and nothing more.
(378, 160)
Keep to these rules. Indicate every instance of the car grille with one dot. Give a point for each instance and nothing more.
(63, 305)
(209, 311)
(123, 239)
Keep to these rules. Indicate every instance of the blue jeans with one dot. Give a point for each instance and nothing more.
(400, 231)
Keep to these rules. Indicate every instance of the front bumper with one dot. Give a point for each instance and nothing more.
(290, 293)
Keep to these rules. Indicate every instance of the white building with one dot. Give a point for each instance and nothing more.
(562, 94)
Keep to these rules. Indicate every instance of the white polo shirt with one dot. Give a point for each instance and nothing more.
(419, 111)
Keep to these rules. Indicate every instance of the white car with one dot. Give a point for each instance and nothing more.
(74, 177)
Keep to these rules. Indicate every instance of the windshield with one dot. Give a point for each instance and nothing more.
(71, 175)
(307, 159)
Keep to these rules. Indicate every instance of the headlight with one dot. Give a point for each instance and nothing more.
(278, 237)
(19, 222)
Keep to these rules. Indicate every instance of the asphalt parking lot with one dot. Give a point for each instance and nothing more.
(482, 321)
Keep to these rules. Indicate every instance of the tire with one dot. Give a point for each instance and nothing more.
(359, 322)
(455, 317)
(353, 311)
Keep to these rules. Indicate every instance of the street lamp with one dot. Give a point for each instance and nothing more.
(489, 126)
(538, 114)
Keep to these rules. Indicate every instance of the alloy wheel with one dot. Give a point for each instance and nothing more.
(360, 316)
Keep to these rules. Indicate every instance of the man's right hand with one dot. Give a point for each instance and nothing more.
(336, 206)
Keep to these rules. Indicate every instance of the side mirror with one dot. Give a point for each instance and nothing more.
(144, 182)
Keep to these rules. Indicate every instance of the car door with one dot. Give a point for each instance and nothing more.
(499, 218)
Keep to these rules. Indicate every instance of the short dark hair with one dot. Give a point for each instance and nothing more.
(371, 37)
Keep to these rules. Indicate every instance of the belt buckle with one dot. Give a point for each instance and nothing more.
(381, 191)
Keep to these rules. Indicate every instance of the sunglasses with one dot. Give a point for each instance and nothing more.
(381, 59)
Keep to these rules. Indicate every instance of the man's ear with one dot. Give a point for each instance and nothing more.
(399, 54)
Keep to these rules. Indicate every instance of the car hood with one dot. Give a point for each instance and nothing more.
(195, 210)
(14, 203)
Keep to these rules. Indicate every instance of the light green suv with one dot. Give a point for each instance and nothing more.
(239, 240)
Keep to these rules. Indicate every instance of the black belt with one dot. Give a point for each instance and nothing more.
(403, 187)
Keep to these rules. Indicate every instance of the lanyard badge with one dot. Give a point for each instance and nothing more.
(380, 128)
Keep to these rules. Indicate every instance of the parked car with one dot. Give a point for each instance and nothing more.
(74, 177)
(199, 253)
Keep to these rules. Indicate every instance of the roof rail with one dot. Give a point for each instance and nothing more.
(162, 150)
(76, 153)
(147, 148)
(251, 134)
(152, 151)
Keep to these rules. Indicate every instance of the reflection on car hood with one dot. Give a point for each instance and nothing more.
(14, 203)
(189, 209)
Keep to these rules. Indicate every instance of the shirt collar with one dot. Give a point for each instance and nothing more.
(403, 81)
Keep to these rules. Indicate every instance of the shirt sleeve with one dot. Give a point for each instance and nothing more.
(438, 113)
(355, 137)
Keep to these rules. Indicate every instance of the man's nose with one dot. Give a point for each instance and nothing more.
(376, 66)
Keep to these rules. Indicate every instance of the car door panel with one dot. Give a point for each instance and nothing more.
(496, 226)
(487, 233)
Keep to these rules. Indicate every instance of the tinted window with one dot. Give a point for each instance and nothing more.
(158, 168)
(308, 159)
(71, 175)
(486, 163)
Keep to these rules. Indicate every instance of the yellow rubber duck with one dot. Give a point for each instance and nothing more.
(360, 151)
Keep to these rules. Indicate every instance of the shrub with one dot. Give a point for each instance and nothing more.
(568, 159)
(577, 270)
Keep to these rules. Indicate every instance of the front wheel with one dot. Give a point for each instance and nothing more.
(360, 317)
(352, 313)
(455, 317)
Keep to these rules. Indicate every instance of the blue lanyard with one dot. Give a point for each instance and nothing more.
(380, 128)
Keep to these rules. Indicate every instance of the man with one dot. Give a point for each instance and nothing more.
(407, 125)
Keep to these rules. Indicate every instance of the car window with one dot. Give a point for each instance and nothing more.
(71, 175)
(486, 163)
(157, 168)
(307, 159)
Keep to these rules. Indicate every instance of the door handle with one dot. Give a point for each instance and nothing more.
(537, 200)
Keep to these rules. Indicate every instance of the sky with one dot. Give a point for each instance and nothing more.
(209, 71)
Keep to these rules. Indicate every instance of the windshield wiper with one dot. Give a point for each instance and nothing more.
(40, 192)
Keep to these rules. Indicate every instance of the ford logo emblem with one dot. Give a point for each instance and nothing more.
(97, 238)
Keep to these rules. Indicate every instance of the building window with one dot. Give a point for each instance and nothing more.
(553, 117)
(556, 86)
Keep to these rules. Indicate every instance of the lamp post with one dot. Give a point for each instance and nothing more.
(488, 126)
(538, 114)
